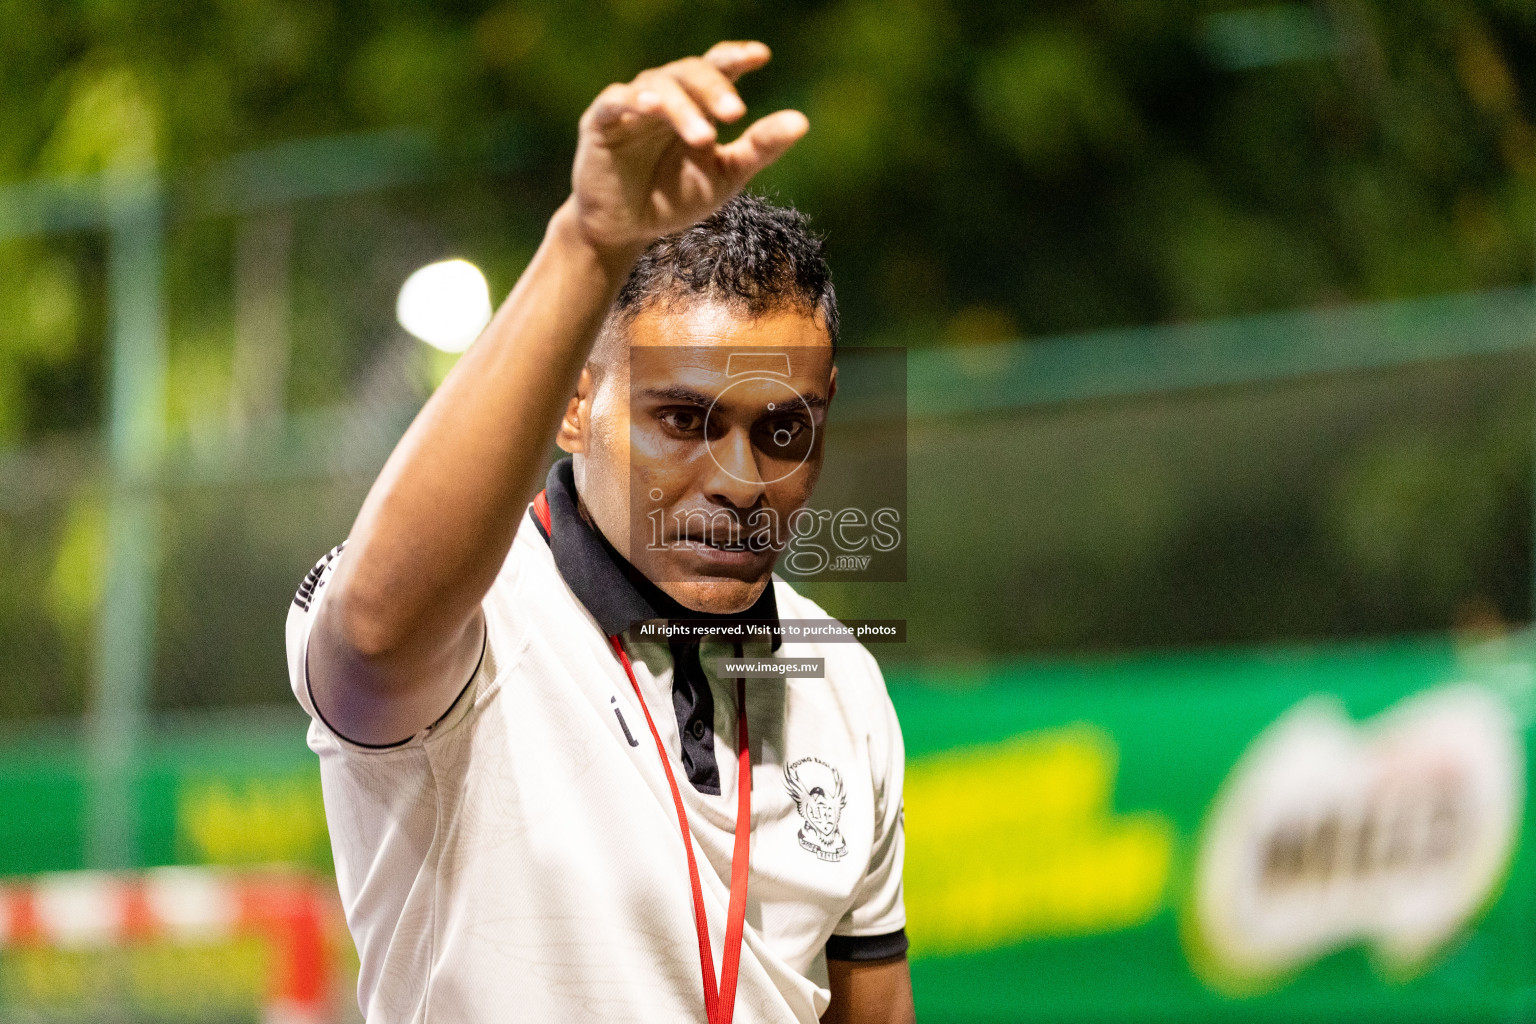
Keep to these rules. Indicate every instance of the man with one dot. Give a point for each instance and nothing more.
(540, 811)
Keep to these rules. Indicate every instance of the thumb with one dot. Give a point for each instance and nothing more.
(761, 144)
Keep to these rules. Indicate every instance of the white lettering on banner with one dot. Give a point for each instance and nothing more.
(1395, 834)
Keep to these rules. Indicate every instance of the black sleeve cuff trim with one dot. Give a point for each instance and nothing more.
(485, 642)
(867, 947)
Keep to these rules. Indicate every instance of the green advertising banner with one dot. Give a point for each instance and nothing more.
(238, 791)
(1310, 835)
(1317, 834)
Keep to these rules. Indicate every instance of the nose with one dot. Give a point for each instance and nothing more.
(734, 479)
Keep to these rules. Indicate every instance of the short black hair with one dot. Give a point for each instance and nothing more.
(750, 253)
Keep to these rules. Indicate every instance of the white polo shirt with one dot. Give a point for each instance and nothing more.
(521, 858)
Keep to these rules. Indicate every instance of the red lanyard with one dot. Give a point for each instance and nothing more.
(718, 1006)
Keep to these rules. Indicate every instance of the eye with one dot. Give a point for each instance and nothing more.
(783, 437)
(682, 420)
(792, 429)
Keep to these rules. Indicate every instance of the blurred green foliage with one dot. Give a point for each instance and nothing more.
(982, 170)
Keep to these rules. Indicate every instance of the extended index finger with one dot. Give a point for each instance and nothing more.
(735, 58)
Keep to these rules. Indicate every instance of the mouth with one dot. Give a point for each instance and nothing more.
(721, 551)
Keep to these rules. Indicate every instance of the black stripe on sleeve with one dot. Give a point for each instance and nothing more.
(314, 579)
(859, 948)
(485, 643)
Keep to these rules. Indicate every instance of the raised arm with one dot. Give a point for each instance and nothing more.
(400, 631)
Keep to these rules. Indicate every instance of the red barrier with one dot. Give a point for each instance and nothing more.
(290, 912)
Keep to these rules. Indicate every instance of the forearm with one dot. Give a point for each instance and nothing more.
(875, 992)
(439, 520)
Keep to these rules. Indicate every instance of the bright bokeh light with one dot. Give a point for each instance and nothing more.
(445, 304)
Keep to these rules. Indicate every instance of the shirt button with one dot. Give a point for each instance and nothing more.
(697, 728)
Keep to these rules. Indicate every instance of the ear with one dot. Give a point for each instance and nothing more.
(832, 384)
(572, 435)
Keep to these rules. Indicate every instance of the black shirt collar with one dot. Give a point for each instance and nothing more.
(616, 593)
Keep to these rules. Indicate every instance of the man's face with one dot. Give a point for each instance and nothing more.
(703, 443)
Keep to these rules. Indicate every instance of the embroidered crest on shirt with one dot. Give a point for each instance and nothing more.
(817, 789)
